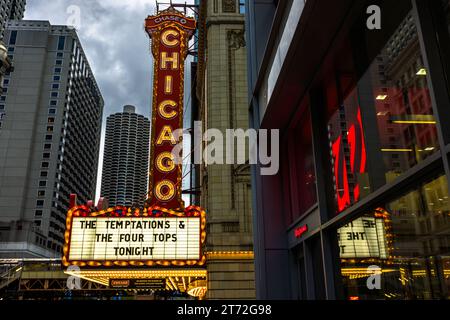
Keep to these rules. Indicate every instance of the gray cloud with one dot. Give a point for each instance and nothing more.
(114, 40)
(116, 45)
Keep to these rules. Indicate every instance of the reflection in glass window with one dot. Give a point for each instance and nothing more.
(307, 193)
(349, 155)
(406, 125)
(408, 240)
(380, 115)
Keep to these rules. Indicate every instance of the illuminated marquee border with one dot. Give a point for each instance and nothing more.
(125, 212)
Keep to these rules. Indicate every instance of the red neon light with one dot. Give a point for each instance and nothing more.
(342, 188)
(362, 168)
(358, 159)
(301, 231)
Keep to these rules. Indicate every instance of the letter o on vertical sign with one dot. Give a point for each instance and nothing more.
(165, 190)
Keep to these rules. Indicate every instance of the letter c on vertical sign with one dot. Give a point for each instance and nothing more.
(170, 33)
(163, 112)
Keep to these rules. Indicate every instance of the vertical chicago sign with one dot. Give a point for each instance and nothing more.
(170, 32)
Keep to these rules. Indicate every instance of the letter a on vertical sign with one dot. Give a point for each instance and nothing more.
(170, 32)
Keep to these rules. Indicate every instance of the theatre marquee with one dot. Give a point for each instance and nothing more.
(122, 236)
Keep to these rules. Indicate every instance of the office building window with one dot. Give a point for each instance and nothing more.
(40, 203)
(42, 183)
(51, 120)
(38, 213)
(57, 70)
(46, 155)
(302, 166)
(48, 137)
(52, 111)
(59, 54)
(55, 86)
(2, 107)
(47, 146)
(56, 78)
(13, 38)
(44, 174)
(61, 42)
(58, 62)
(45, 165)
(41, 193)
(37, 223)
(53, 102)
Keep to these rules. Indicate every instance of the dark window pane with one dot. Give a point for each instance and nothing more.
(61, 42)
(13, 37)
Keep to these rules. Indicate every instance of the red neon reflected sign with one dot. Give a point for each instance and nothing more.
(300, 231)
(358, 159)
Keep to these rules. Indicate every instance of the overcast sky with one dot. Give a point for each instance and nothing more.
(115, 43)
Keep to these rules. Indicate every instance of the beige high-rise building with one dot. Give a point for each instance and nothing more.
(225, 189)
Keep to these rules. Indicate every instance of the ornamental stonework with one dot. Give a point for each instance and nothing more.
(229, 6)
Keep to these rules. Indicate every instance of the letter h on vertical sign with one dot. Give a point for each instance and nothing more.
(169, 47)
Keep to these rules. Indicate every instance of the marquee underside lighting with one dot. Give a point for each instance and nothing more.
(103, 276)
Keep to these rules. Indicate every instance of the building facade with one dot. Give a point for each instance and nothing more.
(225, 189)
(10, 10)
(49, 137)
(359, 208)
(125, 162)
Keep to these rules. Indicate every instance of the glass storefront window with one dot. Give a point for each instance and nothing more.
(299, 176)
(401, 250)
(380, 115)
(307, 193)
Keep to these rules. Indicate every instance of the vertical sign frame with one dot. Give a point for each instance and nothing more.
(170, 32)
